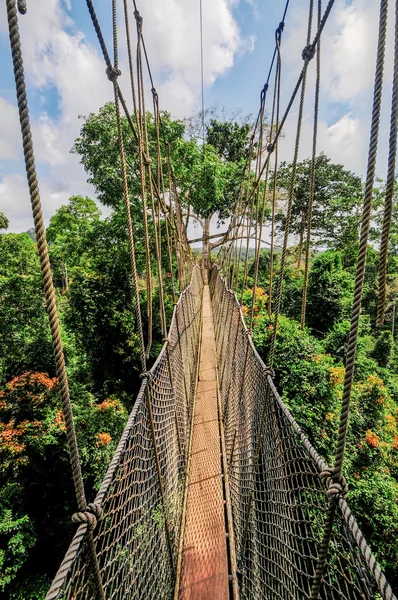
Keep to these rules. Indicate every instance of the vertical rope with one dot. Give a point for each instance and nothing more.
(388, 202)
(277, 91)
(313, 169)
(275, 113)
(86, 514)
(112, 75)
(335, 479)
(308, 54)
(144, 161)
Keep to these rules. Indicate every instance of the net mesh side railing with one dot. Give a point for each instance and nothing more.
(278, 500)
(142, 495)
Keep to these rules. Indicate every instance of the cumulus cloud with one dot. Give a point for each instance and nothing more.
(348, 62)
(10, 141)
(60, 61)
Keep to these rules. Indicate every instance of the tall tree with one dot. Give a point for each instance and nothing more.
(336, 209)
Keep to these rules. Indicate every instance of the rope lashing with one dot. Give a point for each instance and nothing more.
(334, 487)
(138, 18)
(269, 371)
(146, 375)
(112, 73)
(90, 516)
(308, 53)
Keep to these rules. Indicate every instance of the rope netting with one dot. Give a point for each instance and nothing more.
(141, 497)
(278, 498)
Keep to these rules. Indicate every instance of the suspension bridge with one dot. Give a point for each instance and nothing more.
(214, 491)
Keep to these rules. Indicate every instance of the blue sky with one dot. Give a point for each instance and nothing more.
(65, 75)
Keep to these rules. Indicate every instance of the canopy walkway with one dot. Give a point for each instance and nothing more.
(214, 490)
(198, 507)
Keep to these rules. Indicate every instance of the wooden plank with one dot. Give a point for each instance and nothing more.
(205, 563)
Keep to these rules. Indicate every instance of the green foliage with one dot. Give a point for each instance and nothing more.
(230, 140)
(24, 332)
(67, 236)
(34, 463)
(4, 222)
(384, 348)
(330, 292)
(337, 199)
(16, 540)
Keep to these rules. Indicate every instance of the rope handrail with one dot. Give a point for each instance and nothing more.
(72, 578)
(281, 481)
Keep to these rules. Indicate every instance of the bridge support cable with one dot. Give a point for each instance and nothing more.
(308, 54)
(274, 122)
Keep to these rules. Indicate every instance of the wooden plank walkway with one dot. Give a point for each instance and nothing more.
(205, 563)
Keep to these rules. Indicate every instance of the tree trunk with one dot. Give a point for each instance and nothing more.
(206, 246)
(180, 257)
(300, 248)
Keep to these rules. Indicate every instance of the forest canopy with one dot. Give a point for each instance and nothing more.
(91, 267)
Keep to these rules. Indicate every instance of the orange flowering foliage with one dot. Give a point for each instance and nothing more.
(372, 439)
(391, 422)
(245, 310)
(10, 437)
(31, 379)
(337, 375)
(59, 420)
(107, 404)
(103, 439)
(376, 387)
(395, 442)
(27, 392)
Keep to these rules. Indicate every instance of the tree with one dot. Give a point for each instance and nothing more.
(25, 341)
(67, 235)
(4, 222)
(207, 183)
(336, 209)
(330, 292)
(230, 140)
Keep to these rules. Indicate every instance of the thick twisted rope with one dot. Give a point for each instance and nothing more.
(49, 293)
(359, 279)
(389, 193)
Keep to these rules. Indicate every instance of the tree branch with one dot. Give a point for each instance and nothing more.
(239, 237)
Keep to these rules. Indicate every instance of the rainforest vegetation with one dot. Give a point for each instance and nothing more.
(90, 262)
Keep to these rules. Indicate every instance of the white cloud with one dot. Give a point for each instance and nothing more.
(10, 138)
(172, 35)
(348, 56)
(15, 202)
(59, 58)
